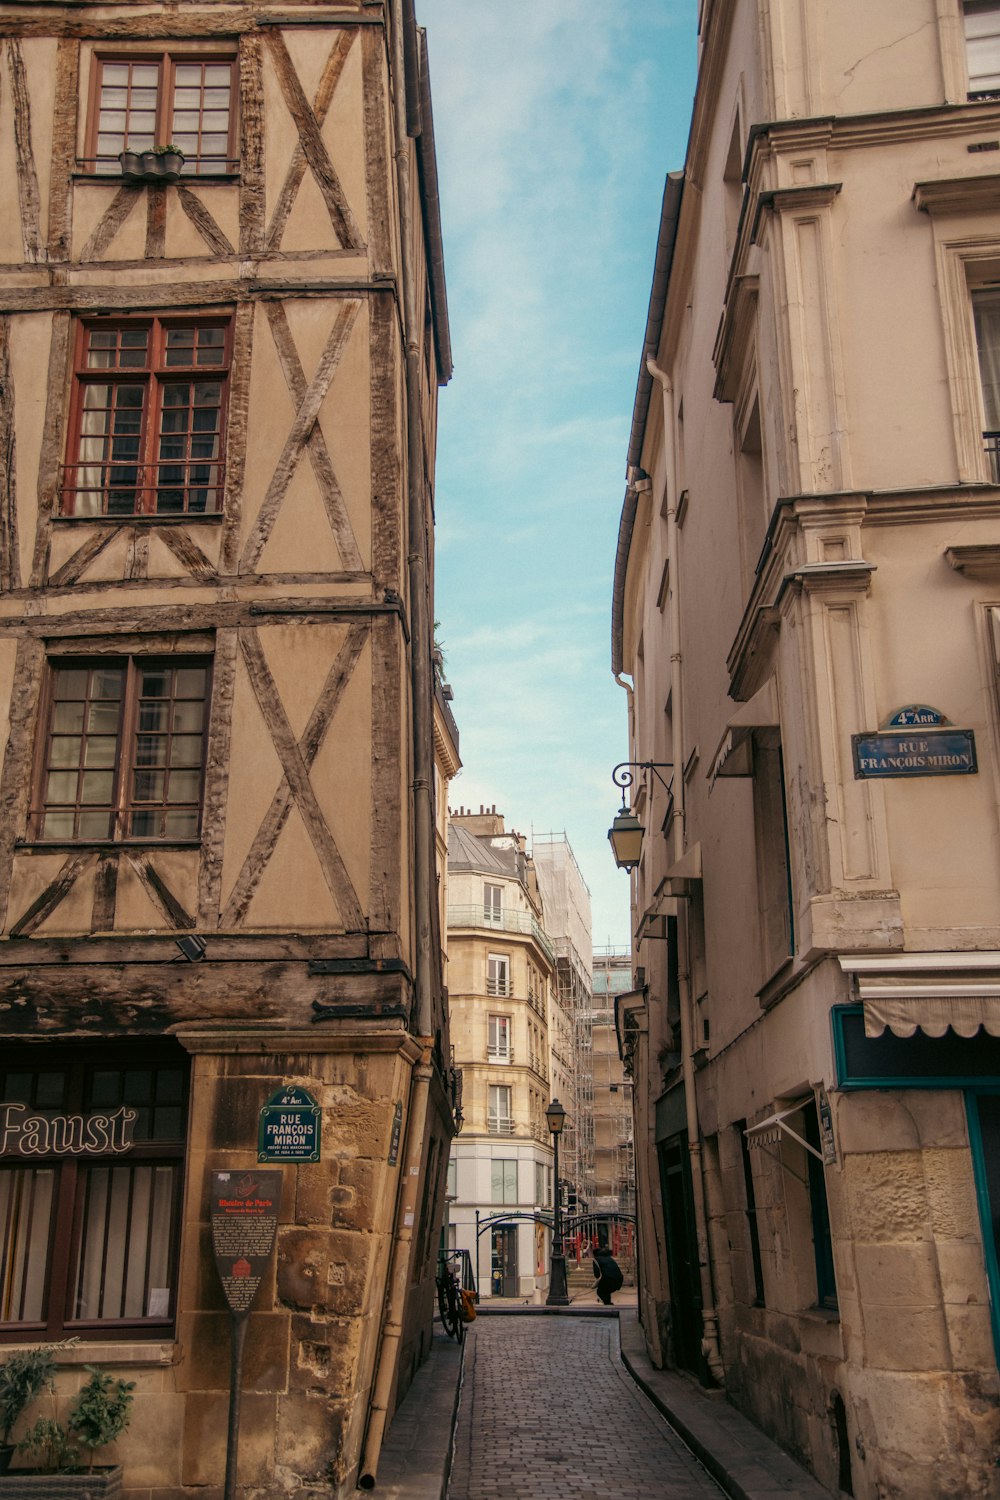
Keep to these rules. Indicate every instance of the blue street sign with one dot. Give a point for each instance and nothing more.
(289, 1127)
(925, 752)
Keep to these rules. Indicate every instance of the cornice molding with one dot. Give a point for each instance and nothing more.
(982, 562)
(793, 200)
(950, 195)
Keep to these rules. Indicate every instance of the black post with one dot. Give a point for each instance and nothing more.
(239, 1334)
(558, 1294)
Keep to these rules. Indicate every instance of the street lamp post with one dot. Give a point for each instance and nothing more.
(558, 1294)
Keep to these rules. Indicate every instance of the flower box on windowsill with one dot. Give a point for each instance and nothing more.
(29, 1484)
(151, 166)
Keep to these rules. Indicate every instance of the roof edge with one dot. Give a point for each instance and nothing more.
(673, 191)
(427, 158)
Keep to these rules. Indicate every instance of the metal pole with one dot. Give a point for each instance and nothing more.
(558, 1294)
(239, 1334)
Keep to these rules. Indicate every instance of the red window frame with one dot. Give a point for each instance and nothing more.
(55, 1243)
(172, 68)
(136, 453)
(113, 752)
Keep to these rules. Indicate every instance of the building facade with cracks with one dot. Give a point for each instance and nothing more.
(806, 623)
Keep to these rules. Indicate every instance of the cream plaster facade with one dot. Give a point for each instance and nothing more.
(810, 543)
(501, 967)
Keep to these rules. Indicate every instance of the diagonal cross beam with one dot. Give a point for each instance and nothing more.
(297, 757)
(297, 168)
(158, 891)
(297, 440)
(266, 838)
(54, 893)
(313, 147)
(319, 455)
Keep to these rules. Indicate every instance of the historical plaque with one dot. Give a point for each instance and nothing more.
(244, 1224)
(289, 1127)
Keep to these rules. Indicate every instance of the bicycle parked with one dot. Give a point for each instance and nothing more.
(451, 1303)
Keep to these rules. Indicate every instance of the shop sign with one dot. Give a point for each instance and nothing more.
(927, 752)
(397, 1126)
(23, 1133)
(244, 1208)
(826, 1137)
(289, 1127)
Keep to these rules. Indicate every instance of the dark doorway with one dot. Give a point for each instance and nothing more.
(682, 1253)
(503, 1266)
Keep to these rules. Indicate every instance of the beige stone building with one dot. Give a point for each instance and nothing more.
(614, 1151)
(218, 386)
(566, 901)
(807, 620)
(501, 967)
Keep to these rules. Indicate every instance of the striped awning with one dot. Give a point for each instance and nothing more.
(932, 992)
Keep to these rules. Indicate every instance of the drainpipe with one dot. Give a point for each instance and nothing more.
(630, 695)
(421, 645)
(710, 1320)
(402, 40)
(399, 1270)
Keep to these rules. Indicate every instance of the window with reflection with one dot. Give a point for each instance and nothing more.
(91, 1167)
(149, 100)
(123, 750)
(147, 421)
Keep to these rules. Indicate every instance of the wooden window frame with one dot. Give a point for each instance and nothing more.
(63, 1241)
(166, 60)
(124, 805)
(155, 375)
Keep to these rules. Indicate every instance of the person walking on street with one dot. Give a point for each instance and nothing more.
(608, 1273)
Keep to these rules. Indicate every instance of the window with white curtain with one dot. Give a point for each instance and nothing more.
(498, 1109)
(982, 47)
(986, 313)
(497, 974)
(498, 1039)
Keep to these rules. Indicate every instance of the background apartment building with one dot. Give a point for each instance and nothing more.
(807, 620)
(566, 902)
(218, 385)
(501, 973)
(614, 1153)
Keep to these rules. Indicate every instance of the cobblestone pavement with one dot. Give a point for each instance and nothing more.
(549, 1411)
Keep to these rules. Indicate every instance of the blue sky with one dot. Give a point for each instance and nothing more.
(556, 122)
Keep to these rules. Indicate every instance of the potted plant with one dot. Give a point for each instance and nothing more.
(63, 1455)
(131, 165)
(162, 164)
(23, 1377)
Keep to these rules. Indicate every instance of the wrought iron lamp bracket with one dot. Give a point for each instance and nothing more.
(623, 774)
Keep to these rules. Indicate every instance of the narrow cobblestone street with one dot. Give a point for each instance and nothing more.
(549, 1410)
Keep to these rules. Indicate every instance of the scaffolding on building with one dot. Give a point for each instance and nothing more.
(566, 909)
(614, 1149)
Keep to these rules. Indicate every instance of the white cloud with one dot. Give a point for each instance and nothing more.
(555, 124)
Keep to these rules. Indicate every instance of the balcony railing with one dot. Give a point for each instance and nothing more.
(500, 1054)
(500, 1125)
(991, 444)
(499, 987)
(503, 921)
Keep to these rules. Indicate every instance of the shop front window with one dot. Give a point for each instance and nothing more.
(91, 1165)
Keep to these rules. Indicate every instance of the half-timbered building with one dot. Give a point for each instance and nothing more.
(219, 367)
